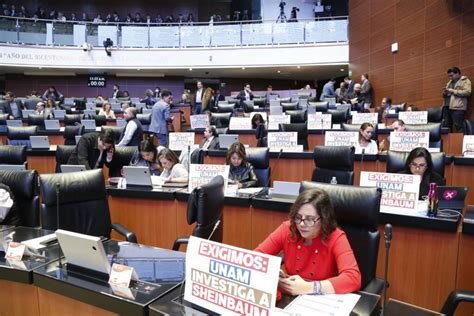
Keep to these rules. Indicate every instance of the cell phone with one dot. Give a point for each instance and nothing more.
(283, 275)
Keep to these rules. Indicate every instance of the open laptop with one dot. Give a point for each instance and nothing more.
(276, 110)
(12, 167)
(89, 113)
(14, 123)
(83, 251)
(72, 168)
(90, 106)
(89, 125)
(450, 197)
(136, 175)
(226, 140)
(52, 125)
(59, 114)
(39, 142)
(25, 113)
(274, 102)
(116, 106)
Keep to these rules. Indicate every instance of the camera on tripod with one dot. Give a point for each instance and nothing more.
(282, 5)
(295, 9)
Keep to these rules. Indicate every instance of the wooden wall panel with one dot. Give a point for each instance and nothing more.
(382, 39)
(468, 25)
(406, 8)
(467, 53)
(378, 5)
(409, 26)
(360, 48)
(437, 63)
(410, 48)
(411, 91)
(443, 36)
(433, 87)
(380, 59)
(438, 13)
(383, 75)
(382, 20)
(409, 70)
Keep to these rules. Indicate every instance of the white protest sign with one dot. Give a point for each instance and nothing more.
(203, 174)
(361, 118)
(180, 141)
(275, 120)
(399, 191)
(240, 123)
(286, 141)
(199, 121)
(407, 141)
(229, 280)
(468, 146)
(416, 117)
(319, 121)
(338, 138)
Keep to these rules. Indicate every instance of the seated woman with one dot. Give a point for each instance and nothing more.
(419, 162)
(318, 256)
(147, 156)
(210, 140)
(173, 171)
(257, 120)
(241, 171)
(366, 142)
(107, 110)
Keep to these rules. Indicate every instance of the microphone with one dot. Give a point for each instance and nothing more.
(181, 284)
(362, 160)
(189, 157)
(57, 222)
(274, 164)
(388, 240)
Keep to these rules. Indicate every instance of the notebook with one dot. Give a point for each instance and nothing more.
(39, 142)
(52, 125)
(59, 114)
(89, 125)
(12, 167)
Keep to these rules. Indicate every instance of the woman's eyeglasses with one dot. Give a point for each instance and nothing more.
(418, 166)
(308, 221)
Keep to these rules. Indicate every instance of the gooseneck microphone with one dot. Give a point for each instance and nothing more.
(274, 164)
(57, 221)
(388, 239)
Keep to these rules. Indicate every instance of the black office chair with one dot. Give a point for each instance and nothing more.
(248, 107)
(396, 308)
(302, 130)
(356, 127)
(205, 205)
(3, 121)
(30, 104)
(290, 106)
(454, 298)
(435, 133)
(83, 204)
(222, 130)
(122, 157)
(20, 135)
(225, 108)
(334, 161)
(117, 131)
(338, 116)
(36, 120)
(70, 133)
(468, 127)
(145, 119)
(100, 120)
(357, 213)
(396, 161)
(259, 102)
(12, 155)
(261, 133)
(260, 160)
(220, 119)
(63, 152)
(24, 186)
(197, 156)
(72, 119)
(435, 115)
(297, 116)
(321, 106)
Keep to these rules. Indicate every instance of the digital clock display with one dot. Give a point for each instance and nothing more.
(98, 81)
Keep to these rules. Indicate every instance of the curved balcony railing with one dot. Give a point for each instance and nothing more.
(27, 31)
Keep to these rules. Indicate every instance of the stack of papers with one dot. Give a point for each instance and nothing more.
(329, 304)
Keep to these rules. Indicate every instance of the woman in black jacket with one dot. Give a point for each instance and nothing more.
(241, 171)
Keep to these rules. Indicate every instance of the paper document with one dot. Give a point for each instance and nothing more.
(40, 242)
(250, 190)
(329, 304)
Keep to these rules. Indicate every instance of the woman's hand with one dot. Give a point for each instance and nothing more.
(239, 185)
(295, 285)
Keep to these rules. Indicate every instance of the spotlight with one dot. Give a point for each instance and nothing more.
(108, 43)
(86, 47)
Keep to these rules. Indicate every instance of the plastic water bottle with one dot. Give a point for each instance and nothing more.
(333, 180)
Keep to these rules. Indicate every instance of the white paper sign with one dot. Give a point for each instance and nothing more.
(229, 280)
(121, 275)
(328, 304)
(199, 121)
(338, 138)
(240, 123)
(203, 174)
(468, 146)
(361, 118)
(319, 121)
(416, 117)
(15, 251)
(399, 191)
(275, 120)
(407, 141)
(180, 141)
(288, 141)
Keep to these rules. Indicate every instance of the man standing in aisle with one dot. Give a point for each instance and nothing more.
(457, 90)
(160, 117)
(197, 109)
(132, 134)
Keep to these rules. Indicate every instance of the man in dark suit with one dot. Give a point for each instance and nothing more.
(11, 107)
(218, 97)
(245, 95)
(197, 98)
(366, 91)
(94, 150)
(117, 92)
(160, 117)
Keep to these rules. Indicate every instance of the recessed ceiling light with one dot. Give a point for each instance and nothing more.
(190, 69)
(40, 67)
(279, 71)
(342, 69)
(138, 69)
(243, 68)
(298, 67)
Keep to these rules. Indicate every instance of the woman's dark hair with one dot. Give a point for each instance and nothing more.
(239, 149)
(255, 118)
(147, 146)
(318, 199)
(168, 154)
(364, 126)
(213, 130)
(416, 153)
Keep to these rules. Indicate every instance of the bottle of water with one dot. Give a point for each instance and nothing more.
(333, 180)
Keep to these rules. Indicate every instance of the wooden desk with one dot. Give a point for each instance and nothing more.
(176, 115)
(18, 299)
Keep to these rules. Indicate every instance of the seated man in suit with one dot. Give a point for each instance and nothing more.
(245, 95)
(94, 150)
(11, 107)
(132, 134)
